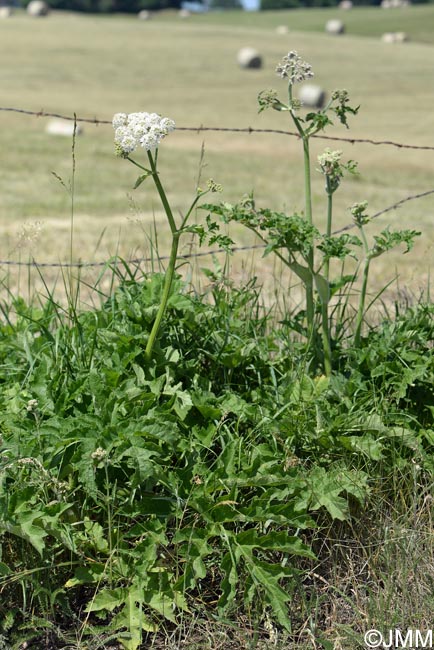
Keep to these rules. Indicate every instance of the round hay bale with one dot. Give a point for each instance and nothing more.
(394, 37)
(335, 27)
(312, 96)
(63, 127)
(37, 8)
(388, 37)
(6, 12)
(184, 13)
(282, 29)
(144, 15)
(249, 58)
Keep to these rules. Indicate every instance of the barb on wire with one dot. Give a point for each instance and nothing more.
(248, 129)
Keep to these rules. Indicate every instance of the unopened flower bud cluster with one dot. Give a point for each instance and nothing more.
(99, 454)
(358, 210)
(293, 68)
(329, 162)
(213, 186)
(340, 96)
(140, 130)
(32, 405)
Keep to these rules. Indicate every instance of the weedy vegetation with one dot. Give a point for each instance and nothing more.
(186, 468)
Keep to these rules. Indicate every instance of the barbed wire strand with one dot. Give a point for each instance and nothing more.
(198, 129)
(235, 249)
(119, 260)
(391, 207)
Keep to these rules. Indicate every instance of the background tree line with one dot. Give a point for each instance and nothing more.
(134, 6)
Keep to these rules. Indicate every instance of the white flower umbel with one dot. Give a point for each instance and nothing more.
(140, 130)
(293, 68)
(120, 119)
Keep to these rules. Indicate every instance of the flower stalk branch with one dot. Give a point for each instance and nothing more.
(147, 130)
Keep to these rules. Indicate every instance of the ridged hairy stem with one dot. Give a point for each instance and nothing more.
(362, 300)
(168, 279)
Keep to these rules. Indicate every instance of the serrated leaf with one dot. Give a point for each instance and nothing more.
(429, 433)
(229, 583)
(276, 597)
(4, 569)
(276, 541)
(335, 285)
(325, 490)
(195, 549)
(143, 462)
(96, 537)
(132, 618)
(140, 374)
(321, 384)
(365, 444)
(140, 179)
(163, 604)
(86, 575)
(107, 599)
(26, 529)
(285, 514)
(180, 302)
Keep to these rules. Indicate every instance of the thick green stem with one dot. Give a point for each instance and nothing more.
(307, 182)
(309, 283)
(328, 226)
(325, 305)
(361, 309)
(326, 339)
(162, 194)
(170, 272)
(362, 300)
(310, 304)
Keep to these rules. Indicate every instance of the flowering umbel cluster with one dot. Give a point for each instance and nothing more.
(329, 162)
(293, 68)
(333, 169)
(140, 130)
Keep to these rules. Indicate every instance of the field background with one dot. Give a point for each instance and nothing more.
(186, 69)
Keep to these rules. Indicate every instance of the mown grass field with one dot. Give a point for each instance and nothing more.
(361, 21)
(186, 69)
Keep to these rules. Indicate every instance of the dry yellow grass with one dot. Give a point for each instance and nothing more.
(186, 69)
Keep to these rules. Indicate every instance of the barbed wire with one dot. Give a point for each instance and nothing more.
(249, 130)
(391, 207)
(234, 249)
(119, 260)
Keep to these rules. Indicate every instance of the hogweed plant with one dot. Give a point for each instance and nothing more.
(295, 238)
(146, 130)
